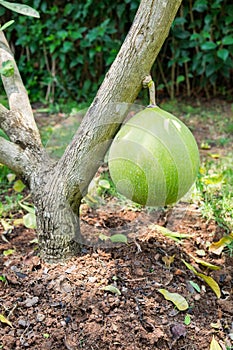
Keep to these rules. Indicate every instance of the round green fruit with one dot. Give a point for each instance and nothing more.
(154, 158)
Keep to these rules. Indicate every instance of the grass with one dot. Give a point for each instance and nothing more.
(215, 191)
(214, 115)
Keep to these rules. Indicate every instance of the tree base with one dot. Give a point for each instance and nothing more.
(58, 250)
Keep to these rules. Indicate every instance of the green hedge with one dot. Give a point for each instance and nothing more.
(197, 57)
(66, 53)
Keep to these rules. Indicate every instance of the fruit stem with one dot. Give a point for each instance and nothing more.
(149, 83)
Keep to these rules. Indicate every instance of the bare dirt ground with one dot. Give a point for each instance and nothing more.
(65, 306)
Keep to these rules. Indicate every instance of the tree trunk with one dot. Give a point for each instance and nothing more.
(57, 188)
(57, 221)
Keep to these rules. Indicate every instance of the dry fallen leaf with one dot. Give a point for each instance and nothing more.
(168, 260)
(214, 345)
(112, 289)
(217, 247)
(6, 226)
(178, 300)
(3, 319)
(209, 280)
(205, 263)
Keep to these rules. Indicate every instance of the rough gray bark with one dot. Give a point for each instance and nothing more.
(58, 188)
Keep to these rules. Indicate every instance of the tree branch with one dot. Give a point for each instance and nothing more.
(18, 132)
(121, 84)
(13, 156)
(17, 95)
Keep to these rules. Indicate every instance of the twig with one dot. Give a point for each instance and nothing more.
(148, 83)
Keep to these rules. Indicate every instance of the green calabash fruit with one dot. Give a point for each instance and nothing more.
(154, 158)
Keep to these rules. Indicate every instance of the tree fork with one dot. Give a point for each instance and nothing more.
(58, 188)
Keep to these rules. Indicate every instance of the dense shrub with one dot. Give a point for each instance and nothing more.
(67, 52)
(197, 56)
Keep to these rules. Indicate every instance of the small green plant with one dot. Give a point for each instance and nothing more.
(3, 279)
(11, 189)
(4, 171)
(10, 204)
(230, 249)
(99, 190)
(106, 185)
(215, 187)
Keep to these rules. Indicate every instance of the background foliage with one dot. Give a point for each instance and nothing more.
(67, 52)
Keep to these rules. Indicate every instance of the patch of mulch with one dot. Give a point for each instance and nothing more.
(65, 306)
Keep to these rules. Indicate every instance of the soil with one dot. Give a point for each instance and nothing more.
(67, 305)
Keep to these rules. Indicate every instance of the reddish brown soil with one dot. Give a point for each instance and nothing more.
(64, 306)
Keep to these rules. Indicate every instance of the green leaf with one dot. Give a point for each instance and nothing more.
(19, 186)
(223, 54)
(179, 79)
(213, 179)
(46, 335)
(227, 40)
(8, 252)
(7, 69)
(29, 209)
(3, 319)
(19, 8)
(112, 289)
(29, 220)
(6, 25)
(103, 237)
(195, 286)
(210, 69)
(208, 45)
(187, 320)
(119, 238)
(214, 345)
(104, 184)
(189, 266)
(166, 232)
(200, 5)
(178, 300)
(3, 278)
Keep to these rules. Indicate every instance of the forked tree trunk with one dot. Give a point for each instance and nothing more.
(57, 188)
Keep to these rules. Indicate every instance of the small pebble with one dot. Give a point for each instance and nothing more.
(68, 319)
(40, 317)
(23, 323)
(92, 279)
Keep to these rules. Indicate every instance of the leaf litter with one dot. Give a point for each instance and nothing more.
(112, 297)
